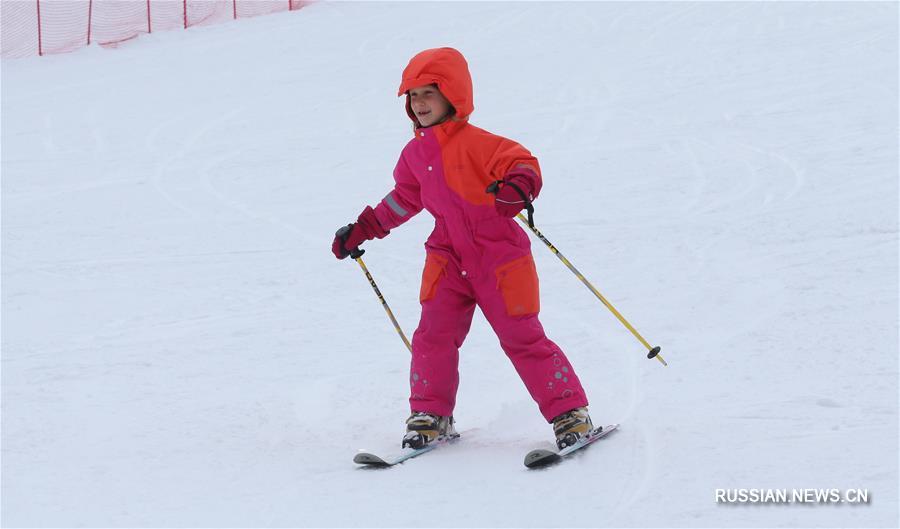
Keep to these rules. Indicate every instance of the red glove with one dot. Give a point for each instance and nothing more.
(351, 236)
(509, 201)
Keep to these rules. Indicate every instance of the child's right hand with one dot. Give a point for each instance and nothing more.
(349, 237)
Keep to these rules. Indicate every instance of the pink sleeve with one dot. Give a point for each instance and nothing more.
(403, 202)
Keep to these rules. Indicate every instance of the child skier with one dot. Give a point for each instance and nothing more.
(476, 255)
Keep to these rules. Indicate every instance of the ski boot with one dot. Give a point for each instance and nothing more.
(423, 428)
(572, 426)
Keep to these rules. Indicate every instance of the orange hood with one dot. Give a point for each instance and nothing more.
(445, 67)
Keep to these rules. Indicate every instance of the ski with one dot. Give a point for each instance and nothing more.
(543, 457)
(372, 460)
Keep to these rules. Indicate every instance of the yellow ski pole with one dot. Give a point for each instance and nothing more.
(494, 188)
(653, 352)
(358, 258)
(356, 254)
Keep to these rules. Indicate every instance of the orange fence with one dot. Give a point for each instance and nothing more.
(39, 27)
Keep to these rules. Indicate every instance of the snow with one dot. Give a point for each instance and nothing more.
(180, 348)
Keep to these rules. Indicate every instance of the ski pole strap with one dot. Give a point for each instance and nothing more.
(495, 186)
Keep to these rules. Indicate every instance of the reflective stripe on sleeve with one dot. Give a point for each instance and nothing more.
(394, 205)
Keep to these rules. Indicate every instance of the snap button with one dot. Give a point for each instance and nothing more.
(464, 273)
(429, 168)
(421, 134)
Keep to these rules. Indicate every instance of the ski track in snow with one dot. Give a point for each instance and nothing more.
(181, 349)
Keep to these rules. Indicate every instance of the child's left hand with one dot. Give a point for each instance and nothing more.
(509, 201)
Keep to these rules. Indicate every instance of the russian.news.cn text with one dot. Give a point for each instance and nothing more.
(822, 496)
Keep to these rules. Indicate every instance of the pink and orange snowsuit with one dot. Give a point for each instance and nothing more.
(474, 256)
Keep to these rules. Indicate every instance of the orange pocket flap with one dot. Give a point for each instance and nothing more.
(518, 283)
(431, 275)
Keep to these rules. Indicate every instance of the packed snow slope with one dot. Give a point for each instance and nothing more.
(180, 348)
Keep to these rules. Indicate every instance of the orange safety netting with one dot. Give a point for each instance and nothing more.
(39, 27)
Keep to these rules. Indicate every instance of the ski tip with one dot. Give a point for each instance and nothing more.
(540, 458)
(364, 458)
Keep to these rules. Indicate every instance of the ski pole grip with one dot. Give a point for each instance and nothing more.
(343, 233)
(495, 187)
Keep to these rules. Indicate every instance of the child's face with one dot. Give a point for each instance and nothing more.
(429, 104)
